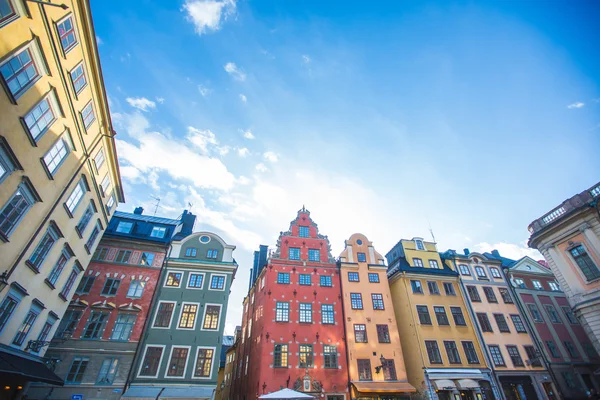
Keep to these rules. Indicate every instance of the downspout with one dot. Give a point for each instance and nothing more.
(339, 271)
(159, 393)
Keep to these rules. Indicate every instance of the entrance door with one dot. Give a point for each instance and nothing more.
(444, 395)
(549, 390)
(467, 395)
(587, 379)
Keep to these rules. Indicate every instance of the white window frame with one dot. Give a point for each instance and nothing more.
(466, 267)
(98, 166)
(195, 317)
(433, 264)
(478, 268)
(159, 228)
(104, 190)
(167, 278)
(492, 269)
(187, 361)
(28, 196)
(19, 12)
(111, 202)
(156, 314)
(81, 184)
(56, 111)
(89, 104)
(204, 317)
(417, 241)
(262, 282)
(82, 65)
(555, 287)
(224, 283)
(74, 24)
(212, 363)
(162, 355)
(124, 222)
(65, 138)
(190, 278)
(143, 285)
(537, 285)
(38, 61)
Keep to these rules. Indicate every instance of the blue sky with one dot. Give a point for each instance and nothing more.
(384, 118)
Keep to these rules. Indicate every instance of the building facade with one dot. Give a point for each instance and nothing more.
(292, 327)
(227, 343)
(59, 176)
(228, 373)
(569, 239)
(374, 353)
(442, 352)
(564, 344)
(105, 318)
(179, 355)
(502, 328)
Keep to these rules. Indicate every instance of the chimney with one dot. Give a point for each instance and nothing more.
(188, 220)
(138, 210)
(467, 252)
(495, 253)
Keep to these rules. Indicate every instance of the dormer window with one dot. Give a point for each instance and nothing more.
(419, 245)
(303, 231)
(191, 252)
(124, 227)
(158, 232)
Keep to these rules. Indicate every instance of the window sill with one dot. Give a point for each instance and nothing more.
(63, 297)
(47, 282)
(32, 267)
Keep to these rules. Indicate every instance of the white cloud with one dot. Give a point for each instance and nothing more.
(201, 138)
(99, 41)
(576, 105)
(160, 100)
(141, 103)
(261, 167)
(204, 91)
(223, 150)
(270, 156)
(234, 71)
(509, 250)
(242, 180)
(305, 58)
(243, 98)
(208, 15)
(243, 152)
(248, 134)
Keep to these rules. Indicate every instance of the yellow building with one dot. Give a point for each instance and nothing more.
(225, 385)
(375, 363)
(441, 349)
(59, 176)
(511, 351)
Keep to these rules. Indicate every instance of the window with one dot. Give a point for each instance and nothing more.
(457, 315)
(484, 322)
(489, 294)
(15, 209)
(108, 370)
(515, 357)
(416, 287)
(146, 258)
(433, 352)
(136, 289)
(70, 281)
(66, 32)
(389, 370)
(364, 370)
(151, 361)
(105, 185)
(383, 334)
(552, 349)
(449, 289)
(89, 244)
(330, 356)
(464, 270)
(360, 333)
(314, 255)
(470, 352)
(518, 323)
(554, 286)
(356, 301)
(76, 196)
(586, 264)
(362, 257)
(37, 258)
(434, 264)
(94, 328)
(123, 256)
(535, 313)
(280, 356)
(123, 327)
(304, 279)
(87, 115)
(85, 284)
(40, 118)
(158, 232)
(327, 314)
(19, 72)
(7, 164)
(520, 283)
(79, 82)
(303, 231)
(417, 262)
(85, 219)
(497, 356)
(45, 331)
(377, 301)
(423, 313)
(283, 277)
(68, 324)
(7, 12)
(569, 314)
(176, 366)
(173, 279)
(552, 314)
(306, 312)
(305, 356)
(110, 287)
(433, 288)
(57, 154)
(537, 285)
(452, 352)
(294, 253)
(325, 280)
(495, 272)
(533, 357)
(217, 282)
(373, 277)
(195, 281)
(211, 317)
(419, 244)
(568, 378)
(212, 253)
(353, 277)
(64, 257)
(473, 294)
(191, 252)
(480, 272)
(124, 226)
(571, 349)
(505, 296)
(163, 315)
(589, 350)
(77, 370)
(110, 203)
(440, 315)
(25, 327)
(282, 312)
(100, 254)
(501, 322)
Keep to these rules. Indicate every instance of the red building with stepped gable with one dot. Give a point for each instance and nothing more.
(293, 329)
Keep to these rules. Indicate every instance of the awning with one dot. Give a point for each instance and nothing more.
(383, 387)
(286, 394)
(165, 393)
(467, 384)
(444, 384)
(22, 368)
(142, 392)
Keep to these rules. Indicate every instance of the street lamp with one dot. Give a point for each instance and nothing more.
(47, 3)
(3, 281)
(378, 368)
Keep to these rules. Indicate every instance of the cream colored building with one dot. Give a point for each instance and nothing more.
(59, 175)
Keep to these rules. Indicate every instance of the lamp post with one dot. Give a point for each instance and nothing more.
(3, 281)
(379, 367)
(47, 3)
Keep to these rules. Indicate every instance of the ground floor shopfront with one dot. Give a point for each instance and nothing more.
(381, 390)
(460, 384)
(527, 386)
(576, 380)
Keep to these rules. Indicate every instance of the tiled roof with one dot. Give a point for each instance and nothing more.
(146, 218)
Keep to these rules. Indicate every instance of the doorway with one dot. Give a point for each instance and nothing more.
(549, 391)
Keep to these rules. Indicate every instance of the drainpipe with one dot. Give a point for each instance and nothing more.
(339, 271)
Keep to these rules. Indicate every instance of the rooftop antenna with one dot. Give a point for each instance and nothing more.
(431, 231)
(157, 205)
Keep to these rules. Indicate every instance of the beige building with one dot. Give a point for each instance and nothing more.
(568, 237)
(59, 176)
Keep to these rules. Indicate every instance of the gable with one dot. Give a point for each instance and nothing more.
(529, 265)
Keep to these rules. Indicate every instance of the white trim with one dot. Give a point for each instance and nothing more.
(167, 279)
(195, 316)
(224, 283)
(189, 278)
(156, 313)
(186, 362)
(204, 316)
(162, 354)
(85, 74)
(212, 363)
(74, 24)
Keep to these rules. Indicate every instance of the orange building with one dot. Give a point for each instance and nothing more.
(375, 361)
